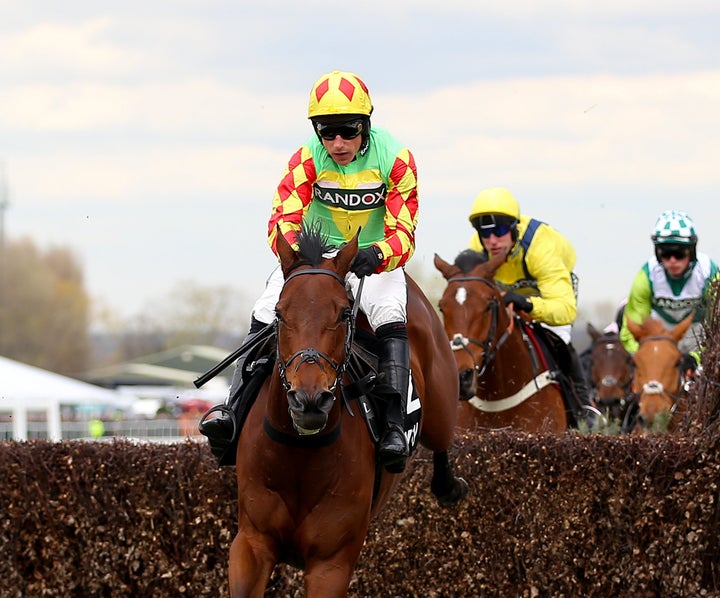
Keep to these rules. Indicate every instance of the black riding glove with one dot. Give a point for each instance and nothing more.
(366, 261)
(687, 362)
(520, 302)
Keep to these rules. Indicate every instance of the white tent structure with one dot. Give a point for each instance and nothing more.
(26, 388)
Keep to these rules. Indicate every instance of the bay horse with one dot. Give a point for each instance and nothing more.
(307, 478)
(659, 380)
(610, 373)
(503, 381)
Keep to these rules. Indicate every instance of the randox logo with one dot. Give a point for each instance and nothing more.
(670, 304)
(352, 199)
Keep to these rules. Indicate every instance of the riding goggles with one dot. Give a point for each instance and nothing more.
(679, 253)
(498, 230)
(347, 131)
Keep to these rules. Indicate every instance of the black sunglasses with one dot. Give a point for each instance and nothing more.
(679, 253)
(495, 229)
(347, 131)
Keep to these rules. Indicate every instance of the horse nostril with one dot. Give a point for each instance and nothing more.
(296, 399)
(466, 378)
(324, 401)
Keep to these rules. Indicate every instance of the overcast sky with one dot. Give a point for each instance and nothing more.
(149, 136)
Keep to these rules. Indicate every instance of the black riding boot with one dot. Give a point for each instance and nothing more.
(220, 430)
(393, 449)
(581, 385)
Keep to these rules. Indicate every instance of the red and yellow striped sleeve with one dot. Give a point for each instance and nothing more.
(401, 212)
(292, 197)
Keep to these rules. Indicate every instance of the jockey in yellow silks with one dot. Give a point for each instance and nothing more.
(537, 276)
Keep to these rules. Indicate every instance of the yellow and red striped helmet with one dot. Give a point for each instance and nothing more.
(339, 93)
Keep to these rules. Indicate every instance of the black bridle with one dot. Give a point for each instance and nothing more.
(490, 347)
(311, 355)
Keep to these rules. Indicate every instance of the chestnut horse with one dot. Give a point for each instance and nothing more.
(659, 381)
(610, 373)
(503, 381)
(307, 478)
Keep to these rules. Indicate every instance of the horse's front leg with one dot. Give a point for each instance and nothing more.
(447, 488)
(331, 578)
(250, 568)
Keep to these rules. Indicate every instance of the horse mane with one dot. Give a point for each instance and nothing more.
(312, 244)
(467, 259)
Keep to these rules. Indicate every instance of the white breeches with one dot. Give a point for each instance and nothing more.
(564, 332)
(383, 299)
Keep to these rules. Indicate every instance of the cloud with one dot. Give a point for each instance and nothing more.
(149, 117)
(52, 48)
(189, 105)
(567, 130)
(163, 174)
(206, 135)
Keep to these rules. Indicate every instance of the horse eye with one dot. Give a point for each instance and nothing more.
(278, 315)
(345, 314)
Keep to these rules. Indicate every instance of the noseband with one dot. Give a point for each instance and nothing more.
(489, 346)
(310, 355)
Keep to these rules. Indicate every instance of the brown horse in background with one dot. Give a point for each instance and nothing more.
(659, 380)
(503, 381)
(308, 482)
(610, 373)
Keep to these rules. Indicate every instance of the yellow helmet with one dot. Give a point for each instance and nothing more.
(496, 200)
(339, 93)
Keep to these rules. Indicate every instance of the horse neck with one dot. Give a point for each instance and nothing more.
(512, 365)
(276, 404)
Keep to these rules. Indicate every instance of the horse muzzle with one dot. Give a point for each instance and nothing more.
(309, 414)
(468, 384)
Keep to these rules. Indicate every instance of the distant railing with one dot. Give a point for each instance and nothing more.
(149, 430)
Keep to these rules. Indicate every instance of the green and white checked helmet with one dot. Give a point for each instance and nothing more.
(674, 227)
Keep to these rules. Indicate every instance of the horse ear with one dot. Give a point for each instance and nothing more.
(592, 331)
(679, 331)
(286, 253)
(445, 269)
(495, 262)
(346, 255)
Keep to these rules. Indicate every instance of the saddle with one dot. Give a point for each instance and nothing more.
(556, 356)
(365, 386)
